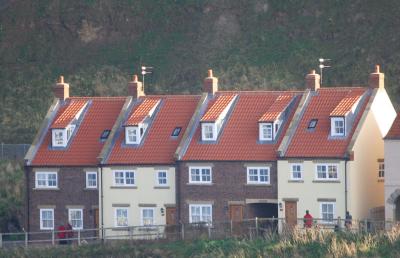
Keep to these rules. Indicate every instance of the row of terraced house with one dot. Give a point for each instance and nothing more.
(222, 155)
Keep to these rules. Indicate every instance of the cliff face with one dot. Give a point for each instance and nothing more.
(97, 45)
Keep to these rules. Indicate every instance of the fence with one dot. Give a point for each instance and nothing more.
(13, 151)
(251, 228)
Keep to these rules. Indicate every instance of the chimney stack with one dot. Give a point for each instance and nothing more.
(377, 79)
(135, 88)
(210, 83)
(313, 80)
(61, 89)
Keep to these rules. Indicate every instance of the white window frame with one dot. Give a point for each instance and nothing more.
(116, 217)
(128, 131)
(124, 177)
(59, 142)
(258, 182)
(335, 128)
(158, 177)
(326, 172)
(142, 216)
(264, 135)
(70, 218)
(321, 212)
(200, 206)
(204, 132)
(381, 169)
(201, 175)
(88, 173)
(46, 174)
(292, 177)
(42, 227)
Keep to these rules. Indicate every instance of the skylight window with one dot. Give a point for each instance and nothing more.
(104, 135)
(176, 131)
(312, 124)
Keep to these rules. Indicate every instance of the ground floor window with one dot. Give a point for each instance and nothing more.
(327, 210)
(121, 217)
(147, 216)
(46, 219)
(75, 217)
(200, 213)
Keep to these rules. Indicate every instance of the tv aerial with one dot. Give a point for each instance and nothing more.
(322, 65)
(146, 70)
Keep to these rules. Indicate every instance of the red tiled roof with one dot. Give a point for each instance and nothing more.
(239, 137)
(158, 147)
(142, 111)
(394, 132)
(346, 104)
(316, 142)
(68, 113)
(277, 108)
(217, 108)
(86, 145)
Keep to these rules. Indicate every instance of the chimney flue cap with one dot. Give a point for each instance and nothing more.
(61, 79)
(312, 71)
(377, 68)
(210, 73)
(135, 78)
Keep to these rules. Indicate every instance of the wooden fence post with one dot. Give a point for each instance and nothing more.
(79, 237)
(182, 231)
(52, 237)
(256, 226)
(26, 239)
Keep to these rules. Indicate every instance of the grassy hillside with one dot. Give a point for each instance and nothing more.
(267, 44)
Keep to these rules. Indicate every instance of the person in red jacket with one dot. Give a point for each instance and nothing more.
(61, 235)
(308, 220)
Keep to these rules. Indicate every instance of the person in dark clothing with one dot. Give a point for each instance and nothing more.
(61, 234)
(348, 221)
(308, 220)
(69, 233)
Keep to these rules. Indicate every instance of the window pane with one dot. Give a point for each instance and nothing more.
(321, 171)
(119, 178)
(130, 178)
(122, 217)
(195, 174)
(162, 178)
(332, 171)
(206, 176)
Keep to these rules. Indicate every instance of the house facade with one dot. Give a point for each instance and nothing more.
(391, 172)
(327, 165)
(227, 166)
(61, 164)
(138, 171)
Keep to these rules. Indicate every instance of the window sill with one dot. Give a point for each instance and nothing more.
(326, 181)
(123, 187)
(90, 189)
(46, 189)
(255, 184)
(205, 184)
(161, 187)
(295, 181)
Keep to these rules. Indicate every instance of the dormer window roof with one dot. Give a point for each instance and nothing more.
(138, 121)
(213, 120)
(64, 126)
(271, 121)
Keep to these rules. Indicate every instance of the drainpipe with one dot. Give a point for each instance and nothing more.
(101, 203)
(345, 185)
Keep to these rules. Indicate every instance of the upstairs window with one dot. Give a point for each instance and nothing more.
(132, 135)
(327, 172)
(337, 126)
(296, 172)
(209, 131)
(46, 179)
(104, 135)
(124, 178)
(201, 175)
(266, 132)
(59, 138)
(312, 124)
(258, 175)
(176, 131)
(381, 169)
(91, 179)
(162, 178)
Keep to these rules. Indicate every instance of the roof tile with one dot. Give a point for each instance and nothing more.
(394, 132)
(142, 111)
(277, 108)
(218, 106)
(68, 113)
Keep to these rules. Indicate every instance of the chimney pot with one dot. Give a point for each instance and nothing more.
(377, 79)
(135, 88)
(313, 80)
(210, 84)
(61, 89)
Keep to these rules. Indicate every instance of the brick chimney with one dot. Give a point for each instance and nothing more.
(313, 80)
(135, 88)
(377, 79)
(61, 89)
(210, 83)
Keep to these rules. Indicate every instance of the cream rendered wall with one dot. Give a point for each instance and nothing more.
(307, 191)
(146, 193)
(365, 191)
(392, 174)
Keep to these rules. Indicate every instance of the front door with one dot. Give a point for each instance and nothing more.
(236, 212)
(170, 216)
(291, 213)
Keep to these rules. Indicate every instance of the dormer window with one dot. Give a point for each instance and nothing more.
(266, 133)
(209, 131)
(338, 126)
(131, 135)
(61, 137)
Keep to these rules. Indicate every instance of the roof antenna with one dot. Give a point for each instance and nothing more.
(322, 66)
(146, 70)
